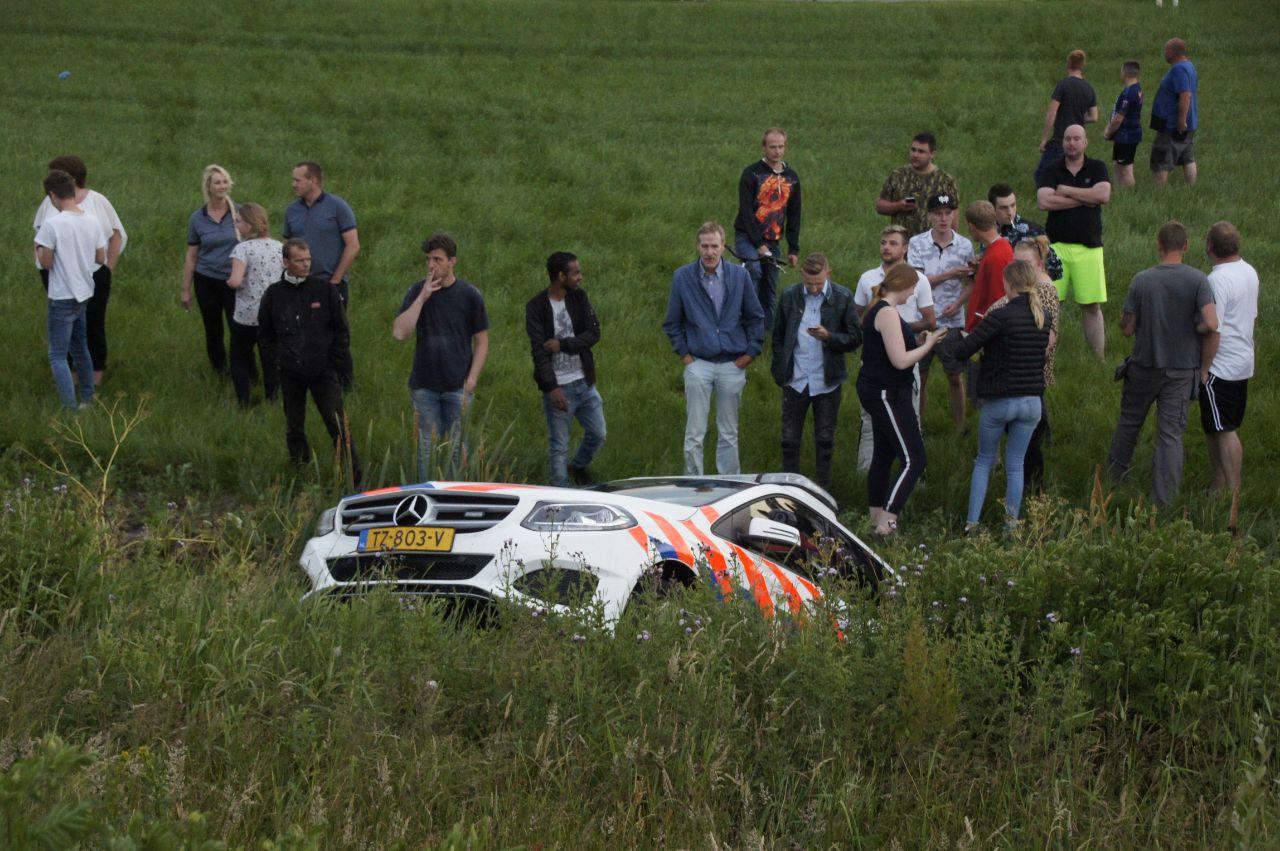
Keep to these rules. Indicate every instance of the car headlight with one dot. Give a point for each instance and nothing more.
(577, 517)
(325, 524)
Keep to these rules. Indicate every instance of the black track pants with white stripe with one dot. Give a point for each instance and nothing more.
(896, 435)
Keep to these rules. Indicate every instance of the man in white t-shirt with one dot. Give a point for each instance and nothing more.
(97, 206)
(1226, 357)
(945, 257)
(70, 244)
(917, 311)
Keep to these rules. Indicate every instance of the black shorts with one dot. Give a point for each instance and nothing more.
(1222, 404)
(1124, 152)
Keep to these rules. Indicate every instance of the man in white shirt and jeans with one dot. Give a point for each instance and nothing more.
(70, 244)
(1226, 357)
(917, 311)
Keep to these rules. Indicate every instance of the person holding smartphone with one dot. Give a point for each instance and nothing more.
(908, 186)
(890, 352)
(817, 324)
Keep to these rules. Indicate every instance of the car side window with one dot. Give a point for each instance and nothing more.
(823, 545)
(780, 509)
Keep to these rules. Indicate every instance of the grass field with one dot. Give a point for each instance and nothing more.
(611, 130)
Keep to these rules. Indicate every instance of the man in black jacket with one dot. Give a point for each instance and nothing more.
(768, 205)
(817, 323)
(302, 329)
(562, 328)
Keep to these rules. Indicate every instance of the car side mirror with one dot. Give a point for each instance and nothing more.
(762, 529)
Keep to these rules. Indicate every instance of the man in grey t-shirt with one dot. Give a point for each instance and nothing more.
(1167, 310)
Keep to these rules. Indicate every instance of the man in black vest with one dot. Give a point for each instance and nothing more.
(302, 329)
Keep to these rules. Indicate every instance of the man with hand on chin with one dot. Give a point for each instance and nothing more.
(446, 317)
(716, 326)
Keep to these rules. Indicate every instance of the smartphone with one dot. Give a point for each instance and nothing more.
(910, 199)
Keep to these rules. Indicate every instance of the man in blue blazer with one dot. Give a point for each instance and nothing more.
(716, 326)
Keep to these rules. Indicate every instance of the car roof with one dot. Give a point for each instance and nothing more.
(741, 480)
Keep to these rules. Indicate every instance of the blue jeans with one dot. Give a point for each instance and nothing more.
(1021, 414)
(439, 415)
(763, 275)
(67, 324)
(587, 407)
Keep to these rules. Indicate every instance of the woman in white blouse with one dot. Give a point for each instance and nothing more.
(257, 262)
(96, 205)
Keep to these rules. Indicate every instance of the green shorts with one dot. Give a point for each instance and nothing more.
(1082, 273)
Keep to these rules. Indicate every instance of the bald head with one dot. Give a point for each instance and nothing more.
(1074, 141)
(1175, 50)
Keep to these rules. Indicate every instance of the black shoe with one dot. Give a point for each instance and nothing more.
(581, 477)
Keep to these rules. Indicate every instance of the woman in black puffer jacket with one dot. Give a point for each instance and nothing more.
(1013, 340)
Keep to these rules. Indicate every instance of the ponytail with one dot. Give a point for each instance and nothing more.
(1021, 278)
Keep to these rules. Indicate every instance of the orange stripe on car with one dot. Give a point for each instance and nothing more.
(380, 491)
(788, 587)
(640, 537)
(710, 513)
(809, 586)
(719, 566)
(758, 586)
(673, 538)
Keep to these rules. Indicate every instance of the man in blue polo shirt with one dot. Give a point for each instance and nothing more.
(1174, 116)
(326, 222)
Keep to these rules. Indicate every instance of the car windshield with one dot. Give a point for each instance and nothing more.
(691, 492)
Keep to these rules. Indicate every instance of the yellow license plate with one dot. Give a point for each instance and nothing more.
(432, 539)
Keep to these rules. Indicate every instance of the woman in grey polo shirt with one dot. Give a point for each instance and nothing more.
(211, 235)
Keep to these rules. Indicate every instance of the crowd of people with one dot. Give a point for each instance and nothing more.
(996, 294)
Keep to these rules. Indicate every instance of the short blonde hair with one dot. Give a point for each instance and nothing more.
(815, 262)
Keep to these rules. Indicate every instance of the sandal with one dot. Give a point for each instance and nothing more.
(890, 528)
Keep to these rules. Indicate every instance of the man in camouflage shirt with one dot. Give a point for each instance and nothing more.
(908, 187)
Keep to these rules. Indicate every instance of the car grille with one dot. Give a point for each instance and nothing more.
(434, 566)
(458, 510)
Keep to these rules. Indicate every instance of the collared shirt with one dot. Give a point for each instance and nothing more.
(934, 259)
(322, 225)
(213, 242)
(713, 283)
(808, 370)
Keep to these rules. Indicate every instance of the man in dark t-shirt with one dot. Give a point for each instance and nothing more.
(446, 317)
(1168, 309)
(1073, 102)
(1073, 190)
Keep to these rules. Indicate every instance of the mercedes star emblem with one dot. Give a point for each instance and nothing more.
(413, 511)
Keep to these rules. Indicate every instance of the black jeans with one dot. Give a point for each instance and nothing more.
(244, 339)
(347, 372)
(895, 435)
(826, 410)
(327, 395)
(95, 315)
(216, 300)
